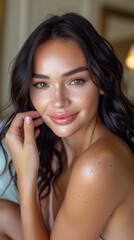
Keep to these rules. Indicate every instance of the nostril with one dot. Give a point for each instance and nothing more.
(60, 100)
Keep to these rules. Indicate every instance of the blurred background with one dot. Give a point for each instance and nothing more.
(113, 19)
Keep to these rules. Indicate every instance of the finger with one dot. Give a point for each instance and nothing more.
(19, 119)
(38, 122)
(36, 133)
(29, 137)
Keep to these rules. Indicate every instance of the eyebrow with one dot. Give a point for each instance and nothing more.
(74, 71)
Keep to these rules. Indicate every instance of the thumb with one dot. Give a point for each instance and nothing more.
(29, 130)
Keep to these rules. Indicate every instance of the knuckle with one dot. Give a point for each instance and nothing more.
(22, 114)
(18, 115)
(8, 136)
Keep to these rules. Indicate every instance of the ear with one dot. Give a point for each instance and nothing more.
(101, 92)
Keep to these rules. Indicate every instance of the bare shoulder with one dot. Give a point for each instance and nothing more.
(99, 181)
(109, 151)
(109, 163)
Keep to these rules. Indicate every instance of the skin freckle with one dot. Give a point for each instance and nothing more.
(72, 159)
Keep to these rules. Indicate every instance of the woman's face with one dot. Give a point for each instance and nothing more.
(61, 88)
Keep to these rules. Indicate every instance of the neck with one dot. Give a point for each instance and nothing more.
(81, 140)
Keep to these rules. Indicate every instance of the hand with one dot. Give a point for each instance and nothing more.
(20, 140)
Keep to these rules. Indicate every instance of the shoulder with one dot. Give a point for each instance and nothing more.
(95, 189)
(90, 196)
(106, 152)
(107, 165)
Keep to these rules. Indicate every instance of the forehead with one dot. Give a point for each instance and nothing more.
(62, 53)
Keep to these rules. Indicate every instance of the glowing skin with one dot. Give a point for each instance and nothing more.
(61, 88)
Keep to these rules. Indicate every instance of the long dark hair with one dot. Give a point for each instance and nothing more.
(115, 110)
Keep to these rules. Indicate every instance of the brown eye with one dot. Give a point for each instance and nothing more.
(41, 85)
(77, 81)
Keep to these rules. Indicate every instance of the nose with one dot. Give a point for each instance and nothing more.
(60, 98)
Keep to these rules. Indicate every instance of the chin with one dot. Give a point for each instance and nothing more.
(63, 133)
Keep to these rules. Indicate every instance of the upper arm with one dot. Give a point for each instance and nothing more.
(89, 202)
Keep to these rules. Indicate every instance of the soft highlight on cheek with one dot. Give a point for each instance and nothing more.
(37, 102)
(65, 94)
(86, 95)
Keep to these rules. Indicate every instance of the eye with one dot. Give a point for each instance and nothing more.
(40, 85)
(77, 81)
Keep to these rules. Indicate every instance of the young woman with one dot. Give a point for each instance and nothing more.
(70, 138)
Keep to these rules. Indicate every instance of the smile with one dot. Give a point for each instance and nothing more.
(63, 119)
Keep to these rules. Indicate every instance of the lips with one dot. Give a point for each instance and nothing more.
(63, 119)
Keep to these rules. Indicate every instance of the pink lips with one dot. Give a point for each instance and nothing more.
(63, 119)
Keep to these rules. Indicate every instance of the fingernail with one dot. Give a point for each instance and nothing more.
(28, 120)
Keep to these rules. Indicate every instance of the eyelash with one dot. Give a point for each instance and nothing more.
(38, 85)
(81, 81)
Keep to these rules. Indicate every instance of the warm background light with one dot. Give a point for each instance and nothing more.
(130, 58)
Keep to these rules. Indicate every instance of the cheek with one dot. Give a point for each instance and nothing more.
(88, 98)
(37, 101)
